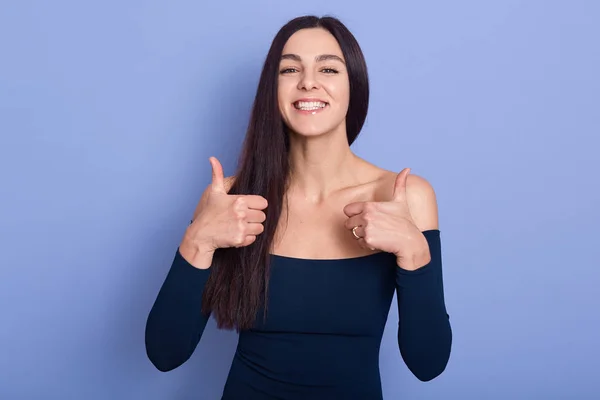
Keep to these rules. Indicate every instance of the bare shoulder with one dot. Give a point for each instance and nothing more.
(420, 196)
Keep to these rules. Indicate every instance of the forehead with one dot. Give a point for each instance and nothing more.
(308, 43)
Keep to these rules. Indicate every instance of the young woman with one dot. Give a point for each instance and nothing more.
(302, 250)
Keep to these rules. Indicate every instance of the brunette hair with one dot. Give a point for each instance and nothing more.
(238, 284)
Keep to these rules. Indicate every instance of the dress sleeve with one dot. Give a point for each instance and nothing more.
(175, 323)
(424, 331)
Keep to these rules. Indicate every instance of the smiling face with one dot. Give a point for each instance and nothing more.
(313, 84)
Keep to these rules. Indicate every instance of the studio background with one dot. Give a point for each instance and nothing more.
(109, 111)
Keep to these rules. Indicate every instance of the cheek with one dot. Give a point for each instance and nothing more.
(340, 91)
(281, 100)
(345, 92)
(283, 94)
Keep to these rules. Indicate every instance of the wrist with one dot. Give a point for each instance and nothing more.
(419, 257)
(406, 264)
(415, 262)
(194, 238)
(197, 254)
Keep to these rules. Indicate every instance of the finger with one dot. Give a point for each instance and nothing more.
(360, 232)
(255, 216)
(255, 229)
(353, 209)
(399, 193)
(218, 180)
(248, 240)
(256, 202)
(356, 220)
(364, 245)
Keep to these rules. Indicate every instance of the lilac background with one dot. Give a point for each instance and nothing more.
(109, 111)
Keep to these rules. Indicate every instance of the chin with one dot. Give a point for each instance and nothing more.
(312, 128)
(310, 131)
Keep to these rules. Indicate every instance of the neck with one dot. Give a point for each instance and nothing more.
(321, 165)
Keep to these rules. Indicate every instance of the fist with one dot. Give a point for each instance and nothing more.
(225, 220)
(389, 226)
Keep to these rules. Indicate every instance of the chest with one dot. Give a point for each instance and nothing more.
(318, 231)
(306, 233)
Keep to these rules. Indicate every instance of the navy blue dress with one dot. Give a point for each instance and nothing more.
(322, 335)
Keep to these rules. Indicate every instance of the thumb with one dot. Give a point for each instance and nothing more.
(218, 180)
(400, 185)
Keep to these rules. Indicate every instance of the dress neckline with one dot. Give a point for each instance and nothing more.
(282, 257)
(325, 259)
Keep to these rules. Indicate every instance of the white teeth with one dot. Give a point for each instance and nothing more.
(309, 105)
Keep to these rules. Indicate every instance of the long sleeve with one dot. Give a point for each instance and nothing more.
(424, 331)
(175, 322)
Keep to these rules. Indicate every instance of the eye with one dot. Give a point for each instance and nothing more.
(288, 70)
(329, 71)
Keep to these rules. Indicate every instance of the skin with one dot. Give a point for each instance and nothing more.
(331, 189)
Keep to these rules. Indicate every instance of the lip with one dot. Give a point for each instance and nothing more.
(310, 112)
(310, 99)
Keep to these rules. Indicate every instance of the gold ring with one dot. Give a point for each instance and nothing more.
(354, 232)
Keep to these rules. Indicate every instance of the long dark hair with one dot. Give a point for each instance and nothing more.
(238, 283)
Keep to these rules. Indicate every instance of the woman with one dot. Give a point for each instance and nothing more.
(302, 250)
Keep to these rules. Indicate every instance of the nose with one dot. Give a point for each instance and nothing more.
(308, 81)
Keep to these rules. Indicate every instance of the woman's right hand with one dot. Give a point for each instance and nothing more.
(224, 220)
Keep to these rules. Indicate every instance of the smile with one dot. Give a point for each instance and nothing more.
(310, 106)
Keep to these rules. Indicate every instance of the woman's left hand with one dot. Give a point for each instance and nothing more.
(388, 226)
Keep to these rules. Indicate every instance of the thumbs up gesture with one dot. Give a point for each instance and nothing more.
(388, 226)
(224, 220)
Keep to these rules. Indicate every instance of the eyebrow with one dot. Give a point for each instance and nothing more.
(322, 57)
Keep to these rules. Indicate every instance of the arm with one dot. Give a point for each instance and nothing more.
(175, 323)
(424, 332)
